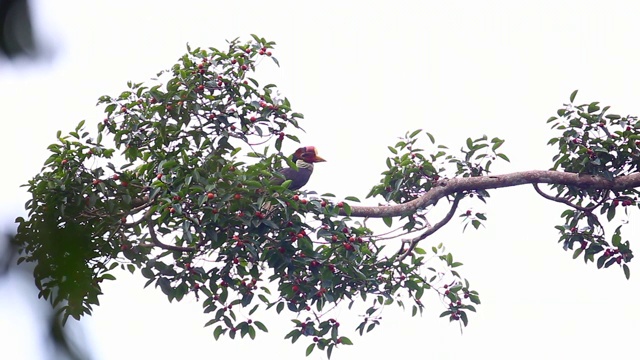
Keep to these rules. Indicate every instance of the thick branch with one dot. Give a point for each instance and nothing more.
(451, 186)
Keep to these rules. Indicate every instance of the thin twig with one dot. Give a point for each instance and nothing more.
(414, 242)
(161, 245)
(568, 202)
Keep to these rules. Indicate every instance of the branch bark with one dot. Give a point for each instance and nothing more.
(452, 186)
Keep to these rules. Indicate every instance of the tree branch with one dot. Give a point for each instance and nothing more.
(158, 243)
(451, 186)
(414, 242)
(568, 202)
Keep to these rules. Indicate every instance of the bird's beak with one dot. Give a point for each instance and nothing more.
(317, 158)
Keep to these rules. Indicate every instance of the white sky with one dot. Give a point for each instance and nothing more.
(363, 73)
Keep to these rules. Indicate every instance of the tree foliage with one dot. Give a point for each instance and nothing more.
(176, 184)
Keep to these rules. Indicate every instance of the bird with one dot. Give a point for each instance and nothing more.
(304, 158)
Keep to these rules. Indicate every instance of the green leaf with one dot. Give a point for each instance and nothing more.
(352, 198)
(503, 157)
(217, 332)
(433, 140)
(577, 252)
(611, 213)
(573, 95)
(627, 272)
(388, 221)
(260, 326)
(347, 209)
(310, 349)
(616, 239)
(345, 340)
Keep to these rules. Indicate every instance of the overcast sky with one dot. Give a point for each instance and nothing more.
(362, 73)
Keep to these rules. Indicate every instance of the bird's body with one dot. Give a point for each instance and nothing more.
(304, 159)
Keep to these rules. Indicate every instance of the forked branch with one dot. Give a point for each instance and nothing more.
(414, 242)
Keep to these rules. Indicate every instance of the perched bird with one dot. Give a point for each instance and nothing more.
(304, 158)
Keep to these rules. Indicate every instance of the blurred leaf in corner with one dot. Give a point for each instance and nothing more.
(68, 345)
(16, 31)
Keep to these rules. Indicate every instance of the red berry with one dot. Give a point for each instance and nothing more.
(210, 195)
(233, 61)
(340, 204)
(237, 196)
(303, 201)
(334, 238)
(253, 119)
(244, 67)
(295, 288)
(261, 52)
(116, 176)
(169, 107)
(323, 203)
(64, 162)
(124, 183)
(296, 197)
(96, 181)
(172, 210)
(268, 53)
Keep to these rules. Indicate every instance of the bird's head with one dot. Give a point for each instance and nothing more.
(308, 154)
